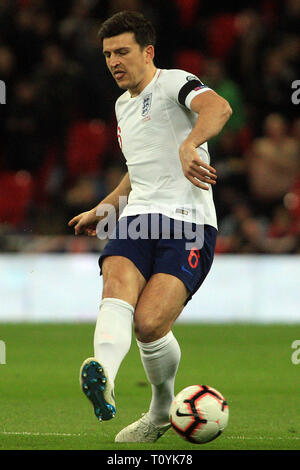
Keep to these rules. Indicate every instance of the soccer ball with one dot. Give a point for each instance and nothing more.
(199, 413)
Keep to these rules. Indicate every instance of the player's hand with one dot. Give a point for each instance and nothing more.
(85, 223)
(194, 169)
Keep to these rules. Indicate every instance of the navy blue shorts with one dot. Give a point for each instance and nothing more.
(158, 244)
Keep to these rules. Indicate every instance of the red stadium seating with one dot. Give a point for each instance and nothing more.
(191, 60)
(15, 196)
(188, 11)
(87, 143)
(221, 35)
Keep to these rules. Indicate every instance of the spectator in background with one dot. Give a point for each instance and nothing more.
(192, 60)
(295, 130)
(290, 49)
(242, 232)
(129, 5)
(289, 19)
(245, 57)
(44, 29)
(165, 18)
(272, 163)
(49, 52)
(23, 39)
(84, 191)
(7, 65)
(216, 77)
(88, 190)
(275, 79)
(7, 74)
(113, 175)
(230, 167)
(230, 236)
(4, 10)
(24, 146)
(225, 149)
(58, 79)
(75, 26)
(281, 236)
(283, 232)
(265, 60)
(188, 27)
(98, 94)
(78, 33)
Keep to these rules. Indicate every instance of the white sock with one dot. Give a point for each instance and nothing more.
(160, 359)
(113, 333)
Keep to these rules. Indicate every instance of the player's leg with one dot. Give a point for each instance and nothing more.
(122, 284)
(180, 269)
(160, 303)
(178, 273)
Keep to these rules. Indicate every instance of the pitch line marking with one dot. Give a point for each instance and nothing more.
(26, 433)
(262, 438)
(64, 434)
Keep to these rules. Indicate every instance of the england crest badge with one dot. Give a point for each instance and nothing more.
(146, 104)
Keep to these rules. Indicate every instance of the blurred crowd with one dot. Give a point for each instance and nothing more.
(59, 153)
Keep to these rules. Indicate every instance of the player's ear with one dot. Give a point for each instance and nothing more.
(149, 53)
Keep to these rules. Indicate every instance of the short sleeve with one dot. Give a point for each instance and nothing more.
(182, 87)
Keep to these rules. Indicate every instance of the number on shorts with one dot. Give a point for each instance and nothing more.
(194, 258)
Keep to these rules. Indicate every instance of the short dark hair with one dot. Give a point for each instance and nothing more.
(129, 22)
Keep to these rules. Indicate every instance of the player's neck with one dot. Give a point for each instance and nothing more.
(148, 77)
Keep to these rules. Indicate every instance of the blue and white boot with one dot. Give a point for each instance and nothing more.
(97, 388)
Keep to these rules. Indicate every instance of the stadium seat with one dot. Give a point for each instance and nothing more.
(15, 196)
(221, 35)
(292, 202)
(87, 142)
(191, 60)
(42, 189)
(187, 11)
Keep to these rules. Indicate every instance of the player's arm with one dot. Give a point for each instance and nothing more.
(213, 112)
(86, 221)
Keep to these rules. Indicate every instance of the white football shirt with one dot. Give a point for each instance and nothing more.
(151, 128)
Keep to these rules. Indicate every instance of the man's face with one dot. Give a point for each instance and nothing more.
(126, 61)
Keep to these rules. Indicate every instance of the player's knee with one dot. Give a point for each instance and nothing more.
(112, 286)
(119, 287)
(120, 281)
(149, 329)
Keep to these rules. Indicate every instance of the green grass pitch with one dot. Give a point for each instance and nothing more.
(42, 406)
